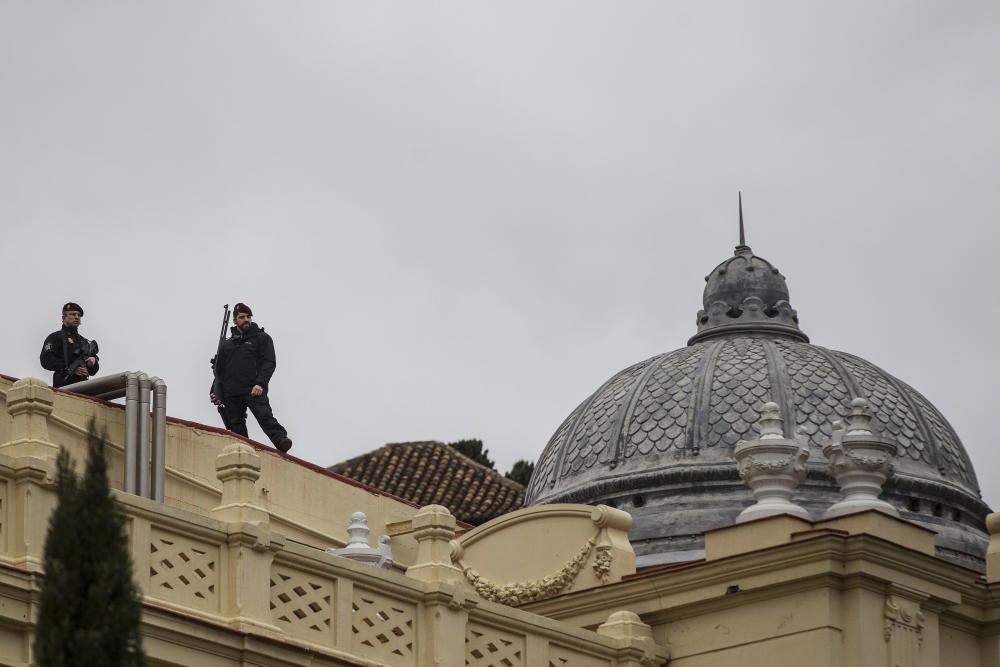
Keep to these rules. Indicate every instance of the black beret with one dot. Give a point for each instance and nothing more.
(241, 308)
(72, 306)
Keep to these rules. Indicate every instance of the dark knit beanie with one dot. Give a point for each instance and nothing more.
(241, 308)
(72, 306)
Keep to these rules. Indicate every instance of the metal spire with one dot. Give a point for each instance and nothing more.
(743, 240)
(743, 249)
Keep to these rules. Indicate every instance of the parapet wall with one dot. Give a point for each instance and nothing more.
(307, 503)
(232, 574)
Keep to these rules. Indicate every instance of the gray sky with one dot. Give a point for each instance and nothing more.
(458, 219)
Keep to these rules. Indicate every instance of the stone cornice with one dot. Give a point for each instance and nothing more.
(826, 560)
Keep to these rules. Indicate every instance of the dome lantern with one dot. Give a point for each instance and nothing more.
(746, 294)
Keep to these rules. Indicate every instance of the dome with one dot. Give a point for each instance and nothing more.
(657, 438)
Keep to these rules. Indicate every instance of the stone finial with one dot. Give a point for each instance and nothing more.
(238, 468)
(859, 421)
(772, 466)
(358, 548)
(861, 461)
(627, 627)
(358, 531)
(29, 403)
(434, 528)
(770, 423)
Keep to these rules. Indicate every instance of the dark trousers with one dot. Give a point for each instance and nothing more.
(234, 416)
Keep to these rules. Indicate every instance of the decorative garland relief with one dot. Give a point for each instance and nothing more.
(522, 592)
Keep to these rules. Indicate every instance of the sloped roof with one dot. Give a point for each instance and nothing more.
(429, 473)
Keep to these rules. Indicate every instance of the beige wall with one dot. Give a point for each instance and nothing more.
(259, 587)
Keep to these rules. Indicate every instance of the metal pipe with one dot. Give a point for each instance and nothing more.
(111, 395)
(109, 384)
(131, 431)
(144, 386)
(159, 437)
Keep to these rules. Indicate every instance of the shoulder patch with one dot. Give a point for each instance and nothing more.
(48, 346)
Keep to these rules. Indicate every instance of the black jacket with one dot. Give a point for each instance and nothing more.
(60, 349)
(246, 360)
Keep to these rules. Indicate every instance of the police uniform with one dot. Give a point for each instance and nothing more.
(61, 348)
(245, 360)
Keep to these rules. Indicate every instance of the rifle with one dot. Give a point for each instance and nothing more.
(85, 348)
(217, 383)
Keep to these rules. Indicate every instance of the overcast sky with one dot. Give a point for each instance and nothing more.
(457, 219)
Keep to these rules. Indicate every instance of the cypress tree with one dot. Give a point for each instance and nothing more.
(90, 611)
(521, 472)
(475, 450)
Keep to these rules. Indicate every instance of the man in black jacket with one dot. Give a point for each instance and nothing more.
(245, 365)
(70, 356)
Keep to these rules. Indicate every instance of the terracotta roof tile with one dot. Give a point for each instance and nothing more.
(434, 473)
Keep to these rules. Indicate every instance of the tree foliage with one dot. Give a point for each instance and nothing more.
(474, 450)
(89, 612)
(521, 472)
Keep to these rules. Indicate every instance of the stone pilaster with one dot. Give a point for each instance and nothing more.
(638, 649)
(434, 529)
(446, 619)
(30, 495)
(238, 468)
(993, 550)
(29, 402)
(252, 544)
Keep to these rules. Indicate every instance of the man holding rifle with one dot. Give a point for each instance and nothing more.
(70, 356)
(243, 367)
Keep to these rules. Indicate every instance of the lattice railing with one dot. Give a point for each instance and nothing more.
(491, 647)
(183, 570)
(383, 627)
(561, 656)
(302, 603)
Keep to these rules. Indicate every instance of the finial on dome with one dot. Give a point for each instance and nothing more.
(746, 294)
(742, 248)
(743, 239)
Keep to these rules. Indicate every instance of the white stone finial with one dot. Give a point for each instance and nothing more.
(859, 421)
(770, 422)
(772, 466)
(358, 548)
(861, 461)
(358, 531)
